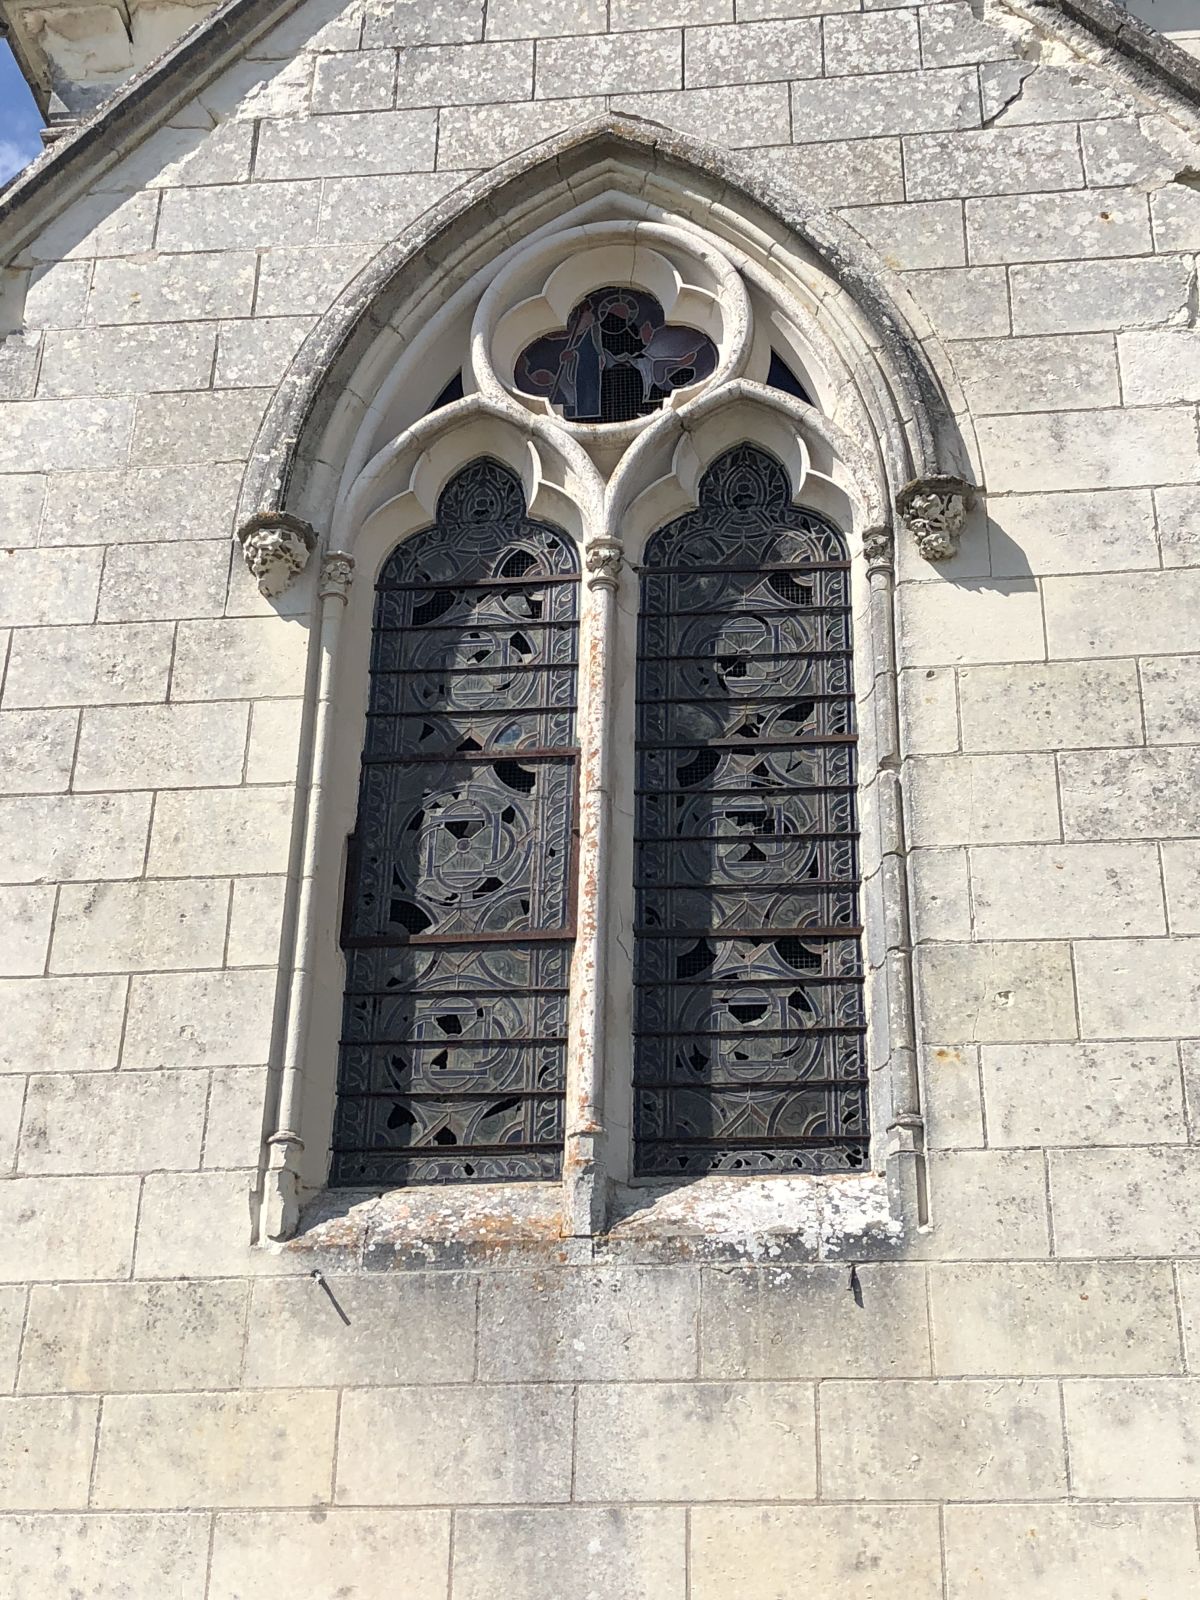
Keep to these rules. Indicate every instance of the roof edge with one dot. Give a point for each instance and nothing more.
(62, 174)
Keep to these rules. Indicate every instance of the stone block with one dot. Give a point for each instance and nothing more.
(197, 427)
(556, 1553)
(941, 1440)
(695, 1442)
(38, 748)
(12, 1321)
(89, 665)
(99, 1556)
(182, 1450)
(1040, 1319)
(1063, 705)
(1101, 531)
(348, 145)
(142, 582)
(472, 1443)
(624, 1323)
(12, 1099)
(111, 1338)
(1171, 699)
(929, 710)
(419, 22)
(138, 360)
(1175, 209)
(952, 799)
(485, 135)
(1057, 227)
(180, 154)
(1059, 372)
(963, 302)
(858, 45)
(1187, 1274)
(172, 288)
(237, 659)
(609, 64)
(255, 922)
(252, 354)
(318, 25)
(1126, 1202)
(1087, 449)
(155, 504)
(296, 1337)
(46, 1453)
(785, 1323)
(199, 1019)
(639, 14)
(987, 1205)
(25, 917)
(1181, 874)
(1148, 151)
(755, 52)
(541, 19)
(760, 1551)
(195, 1225)
(870, 106)
(20, 357)
(464, 74)
(1139, 988)
(763, 116)
(351, 1554)
(1095, 1089)
(954, 34)
(990, 161)
(1131, 794)
(1015, 94)
(941, 900)
(140, 927)
(70, 1024)
(57, 294)
(240, 830)
(1066, 891)
(760, 10)
(250, 89)
(148, 747)
(22, 495)
(97, 225)
(87, 1122)
(1160, 366)
(302, 282)
(951, 1097)
(1047, 1552)
(354, 80)
(359, 209)
(913, 236)
(1134, 1437)
(1089, 296)
(1179, 525)
(60, 435)
(53, 1228)
(224, 217)
(871, 170)
(951, 623)
(233, 1131)
(52, 838)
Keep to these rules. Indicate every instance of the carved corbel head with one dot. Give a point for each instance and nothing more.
(934, 511)
(276, 547)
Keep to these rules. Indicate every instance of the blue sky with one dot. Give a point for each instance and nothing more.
(20, 119)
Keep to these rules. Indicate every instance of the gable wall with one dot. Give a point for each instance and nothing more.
(1014, 1407)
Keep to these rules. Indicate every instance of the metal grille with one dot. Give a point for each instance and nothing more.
(617, 359)
(458, 919)
(749, 1051)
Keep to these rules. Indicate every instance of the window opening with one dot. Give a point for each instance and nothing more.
(749, 1021)
(617, 359)
(459, 911)
(452, 392)
(781, 376)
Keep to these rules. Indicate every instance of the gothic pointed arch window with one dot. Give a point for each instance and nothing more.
(749, 1020)
(457, 925)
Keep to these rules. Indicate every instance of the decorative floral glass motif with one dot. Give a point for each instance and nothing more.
(617, 359)
(457, 927)
(749, 1051)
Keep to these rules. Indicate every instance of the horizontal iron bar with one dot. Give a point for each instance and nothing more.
(519, 1043)
(526, 580)
(825, 1030)
(730, 613)
(422, 1152)
(442, 996)
(768, 655)
(453, 1096)
(461, 672)
(796, 886)
(772, 1141)
(380, 941)
(461, 628)
(748, 745)
(787, 568)
(732, 981)
(764, 1083)
(487, 758)
(760, 934)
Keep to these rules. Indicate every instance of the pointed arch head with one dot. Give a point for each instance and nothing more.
(841, 314)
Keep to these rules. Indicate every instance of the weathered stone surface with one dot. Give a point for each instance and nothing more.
(1057, 227)
(507, 1443)
(1087, 449)
(197, 427)
(1181, 879)
(145, 747)
(154, 504)
(12, 1319)
(538, 19)
(139, 927)
(415, 22)
(1038, 1319)
(177, 1450)
(868, 107)
(884, 43)
(1084, 296)
(296, 1337)
(1064, 891)
(45, 1453)
(1126, 1202)
(842, 1550)
(639, 1549)
(56, 838)
(335, 1552)
(753, 52)
(127, 360)
(1143, 988)
(40, 1235)
(1097, 1090)
(967, 302)
(247, 830)
(952, 1101)
(926, 1441)
(22, 495)
(251, 354)
(1134, 1436)
(991, 161)
(209, 219)
(233, 1130)
(695, 1442)
(345, 146)
(1179, 525)
(116, 1337)
(354, 80)
(479, 136)
(99, 1556)
(200, 1019)
(909, 236)
(112, 1122)
(235, 659)
(171, 288)
(255, 922)
(1104, 530)
(1041, 1552)
(1059, 706)
(943, 623)
(954, 32)
(1171, 699)
(929, 710)
(952, 799)
(110, 665)
(871, 171)
(1060, 372)
(62, 435)
(26, 914)
(39, 747)
(1131, 794)
(140, 585)
(73, 1024)
(987, 1204)
(195, 1225)
(941, 894)
(464, 74)
(755, 114)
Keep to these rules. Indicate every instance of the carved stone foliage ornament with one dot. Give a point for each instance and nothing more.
(934, 511)
(276, 547)
(337, 574)
(603, 558)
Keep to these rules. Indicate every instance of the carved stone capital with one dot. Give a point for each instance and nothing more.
(337, 574)
(878, 546)
(276, 547)
(604, 559)
(934, 511)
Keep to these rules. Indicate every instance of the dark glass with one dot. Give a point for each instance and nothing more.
(618, 358)
(457, 925)
(749, 1051)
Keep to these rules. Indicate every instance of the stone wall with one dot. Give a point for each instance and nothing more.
(1004, 1404)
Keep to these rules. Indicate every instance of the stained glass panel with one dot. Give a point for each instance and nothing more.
(749, 1052)
(458, 917)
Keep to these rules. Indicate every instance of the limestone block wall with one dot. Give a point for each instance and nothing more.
(1004, 1404)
